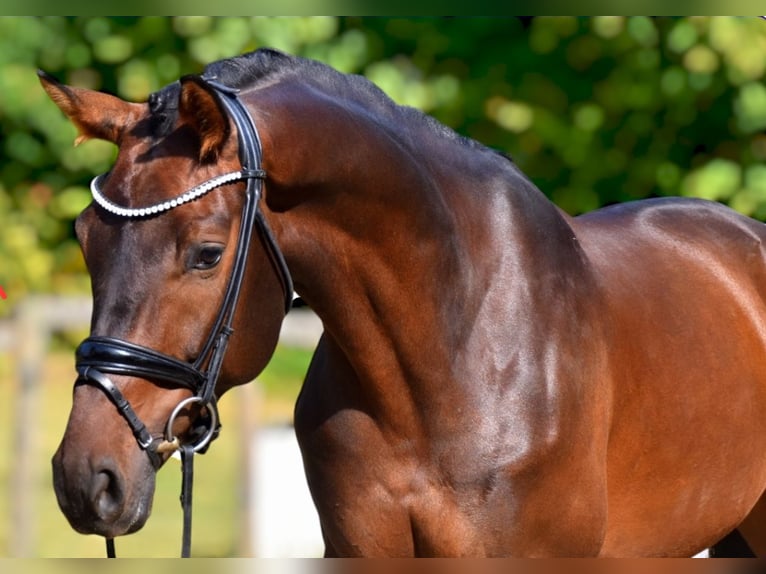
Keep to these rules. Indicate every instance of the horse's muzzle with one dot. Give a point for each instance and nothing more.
(97, 497)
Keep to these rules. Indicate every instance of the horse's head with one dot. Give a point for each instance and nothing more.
(159, 278)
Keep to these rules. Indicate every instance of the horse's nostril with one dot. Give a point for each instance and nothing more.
(107, 495)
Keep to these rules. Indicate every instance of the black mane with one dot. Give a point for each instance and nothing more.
(267, 66)
(252, 68)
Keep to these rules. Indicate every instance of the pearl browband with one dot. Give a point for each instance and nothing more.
(186, 197)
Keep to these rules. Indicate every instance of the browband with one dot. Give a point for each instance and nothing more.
(190, 195)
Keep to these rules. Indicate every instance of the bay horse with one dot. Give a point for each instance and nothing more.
(495, 377)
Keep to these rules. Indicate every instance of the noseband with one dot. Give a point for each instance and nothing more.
(98, 356)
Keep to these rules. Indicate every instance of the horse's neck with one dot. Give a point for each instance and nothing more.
(399, 249)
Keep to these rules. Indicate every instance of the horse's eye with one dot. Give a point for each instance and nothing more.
(207, 256)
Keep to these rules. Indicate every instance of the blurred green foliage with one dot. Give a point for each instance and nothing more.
(595, 110)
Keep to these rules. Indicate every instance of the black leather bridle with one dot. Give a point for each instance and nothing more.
(97, 357)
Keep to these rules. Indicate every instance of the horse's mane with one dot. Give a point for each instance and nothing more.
(260, 66)
(267, 66)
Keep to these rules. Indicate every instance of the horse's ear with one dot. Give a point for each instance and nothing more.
(95, 114)
(200, 107)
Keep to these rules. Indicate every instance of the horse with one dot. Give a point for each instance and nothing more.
(495, 376)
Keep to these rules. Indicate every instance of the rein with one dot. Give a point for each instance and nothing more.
(98, 356)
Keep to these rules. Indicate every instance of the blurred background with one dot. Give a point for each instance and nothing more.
(595, 110)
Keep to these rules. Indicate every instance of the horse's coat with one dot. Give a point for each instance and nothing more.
(495, 377)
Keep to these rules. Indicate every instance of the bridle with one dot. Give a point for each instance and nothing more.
(96, 357)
